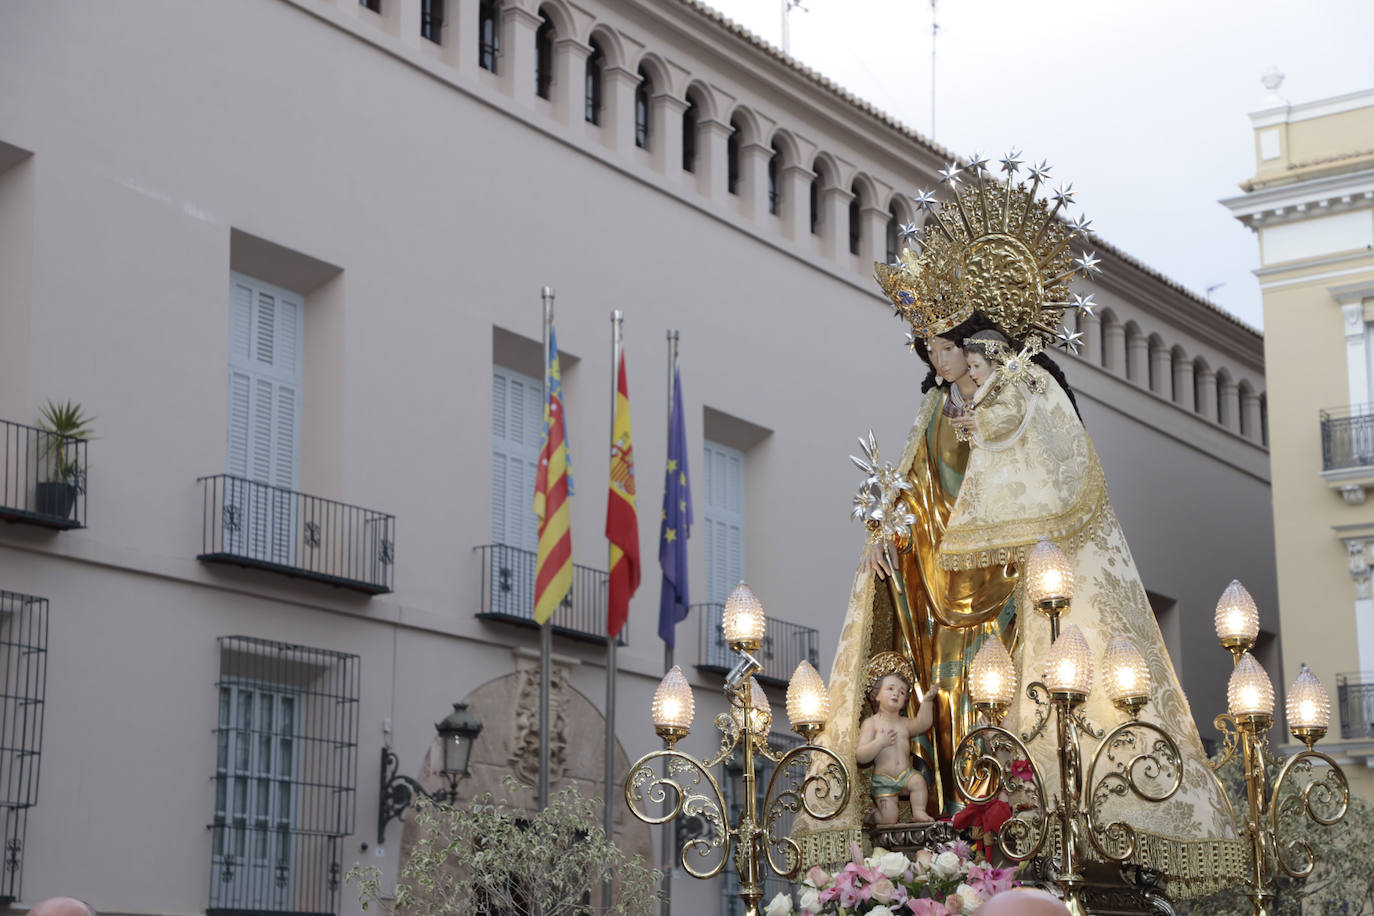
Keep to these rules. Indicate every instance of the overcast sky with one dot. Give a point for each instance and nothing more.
(1143, 106)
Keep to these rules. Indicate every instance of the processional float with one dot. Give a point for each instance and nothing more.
(1001, 244)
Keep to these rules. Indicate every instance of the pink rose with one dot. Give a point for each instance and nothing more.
(954, 903)
(924, 906)
(1022, 769)
(817, 877)
(961, 849)
(923, 859)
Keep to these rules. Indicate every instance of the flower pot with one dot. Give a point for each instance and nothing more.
(54, 499)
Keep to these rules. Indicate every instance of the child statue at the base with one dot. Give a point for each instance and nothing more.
(885, 737)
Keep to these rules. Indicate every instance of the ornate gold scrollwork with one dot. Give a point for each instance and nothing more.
(1230, 738)
(645, 785)
(1042, 709)
(1146, 762)
(983, 759)
(818, 787)
(1301, 791)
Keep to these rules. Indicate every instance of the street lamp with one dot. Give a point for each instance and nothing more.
(458, 732)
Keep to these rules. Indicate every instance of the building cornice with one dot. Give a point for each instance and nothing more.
(1336, 104)
(1303, 199)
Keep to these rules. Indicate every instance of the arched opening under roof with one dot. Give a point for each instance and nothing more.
(894, 227)
(732, 145)
(1178, 366)
(596, 63)
(644, 94)
(1226, 394)
(856, 218)
(543, 55)
(1246, 395)
(775, 177)
(691, 120)
(818, 178)
(488, 34)
(1202, 376)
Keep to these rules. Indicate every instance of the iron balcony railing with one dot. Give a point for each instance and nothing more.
(1347, 437)
(247, 523)
(508, 594)
(785, 645)
(1355, 697)
(23, 686)
(42, 477)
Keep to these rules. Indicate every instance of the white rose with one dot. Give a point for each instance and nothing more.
(893, 864)
(780, 905)
(972, 897)
(946, 865)
(880, 911)
(811, 900)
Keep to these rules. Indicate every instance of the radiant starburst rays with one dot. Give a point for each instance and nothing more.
(998, 218)
(878, 501)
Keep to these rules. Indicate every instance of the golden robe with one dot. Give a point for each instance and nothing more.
(1049, 482)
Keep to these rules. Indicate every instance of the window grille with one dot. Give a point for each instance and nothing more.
(286, 760)
(643, 94)
(488, 34)
(432, 20)
(595, 61)
(23, 680)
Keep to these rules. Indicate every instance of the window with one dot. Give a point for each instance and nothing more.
(432, 20)
(285, 770)
(543, 56)
(774, 170)
(374, 5)
(644, 94)
(855, 219)
(724, 520)
(517, 420)
(893, 233)
(488, 34)
(816, 197)
(266, 337)
(24, 669)
(689, 136)
(595, 61)
(732, 158)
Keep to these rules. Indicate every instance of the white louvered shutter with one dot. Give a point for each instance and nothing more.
(517, 421)
(724, 507)
(265, 338)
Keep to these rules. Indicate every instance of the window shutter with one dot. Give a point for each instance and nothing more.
(516, 437)
(724, 507)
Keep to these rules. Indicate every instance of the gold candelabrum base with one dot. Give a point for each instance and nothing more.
(1309, 784)
(809, 778)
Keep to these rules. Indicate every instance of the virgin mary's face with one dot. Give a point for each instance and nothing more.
(947, 358)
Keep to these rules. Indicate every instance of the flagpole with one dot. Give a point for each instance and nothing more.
(546, 628)
(667, 893)
(617, 319)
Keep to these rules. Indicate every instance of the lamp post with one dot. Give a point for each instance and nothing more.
(813, 779)
(458, 732)
(1309, 784)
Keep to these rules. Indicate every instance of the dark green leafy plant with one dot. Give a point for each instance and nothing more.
(64, 421)
(494, 859)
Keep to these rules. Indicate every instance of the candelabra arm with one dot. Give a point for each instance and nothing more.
(644, 786)
(1300, 791)
(729, 738)
(982, 760)
(1230, 738)
(1145, 762)
(1042, 709)
(819, 787)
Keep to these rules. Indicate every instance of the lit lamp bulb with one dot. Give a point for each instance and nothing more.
(1128, 677)
(673, 706)
(743, 621)
(1049, 579)
(1308, 707)
(1250, 693)
(759, 711)
(992, 679)
(808, 703)
(1237, 620)
(1069, 667)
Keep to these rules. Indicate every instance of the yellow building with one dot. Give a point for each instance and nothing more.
(1311, 202)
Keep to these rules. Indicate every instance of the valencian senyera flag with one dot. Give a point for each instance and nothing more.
(554, 567)
(677, 524)
(622, 523)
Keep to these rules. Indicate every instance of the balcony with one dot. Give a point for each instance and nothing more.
(24, 669)
(785, 645)
(260, 526)
(1348, 450)
(508, 595)
(42, 477)
(1355, 698)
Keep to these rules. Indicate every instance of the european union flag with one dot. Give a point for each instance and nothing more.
(677, 524)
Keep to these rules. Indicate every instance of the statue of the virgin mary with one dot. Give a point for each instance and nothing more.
(997, 256)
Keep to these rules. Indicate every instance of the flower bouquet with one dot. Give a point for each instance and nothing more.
(945, 882)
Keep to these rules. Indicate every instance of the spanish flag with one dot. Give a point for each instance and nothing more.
(622, 523)
(554, 567)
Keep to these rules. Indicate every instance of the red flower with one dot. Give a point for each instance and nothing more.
(1021, 768)
(983, 820)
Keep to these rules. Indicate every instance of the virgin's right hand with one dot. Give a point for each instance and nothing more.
(874, 561)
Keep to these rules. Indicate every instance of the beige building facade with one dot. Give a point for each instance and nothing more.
(288, 254)
(1311, 204)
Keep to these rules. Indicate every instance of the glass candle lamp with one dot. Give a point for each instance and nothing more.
(743, 621)
(992, 679)
(1308, 708)
(1069, 666)
(673, 706)
(1127, 676)
(1237, 620)
(1250, 693)
(808, 703)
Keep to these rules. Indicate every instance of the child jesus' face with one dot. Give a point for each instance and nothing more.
(979, 367)
(890, 695)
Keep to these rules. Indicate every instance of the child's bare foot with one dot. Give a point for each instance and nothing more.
(920, 817)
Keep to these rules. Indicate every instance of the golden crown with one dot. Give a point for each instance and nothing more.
(995, 246)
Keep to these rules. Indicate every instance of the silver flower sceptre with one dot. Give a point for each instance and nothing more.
(878, 501)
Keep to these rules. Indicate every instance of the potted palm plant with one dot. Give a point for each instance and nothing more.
(64, 478)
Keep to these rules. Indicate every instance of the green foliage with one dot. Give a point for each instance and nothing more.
(493, 859)
(64, 421)
(1342, 883)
